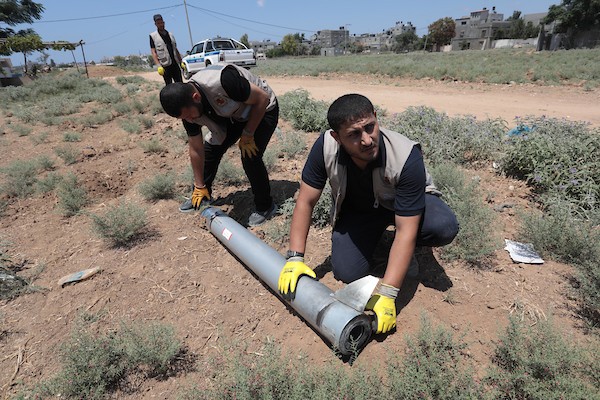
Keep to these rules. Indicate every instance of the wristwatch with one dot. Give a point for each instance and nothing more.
(292, 253)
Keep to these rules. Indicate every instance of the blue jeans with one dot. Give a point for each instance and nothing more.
(355, 236)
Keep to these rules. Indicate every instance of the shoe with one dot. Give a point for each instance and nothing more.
(259, 217)
(187, 206)
(413, 268)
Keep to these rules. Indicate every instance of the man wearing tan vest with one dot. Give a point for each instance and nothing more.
(377, 179)
(236, 106)
(164, 52)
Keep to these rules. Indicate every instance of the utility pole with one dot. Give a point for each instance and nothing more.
(188, 22)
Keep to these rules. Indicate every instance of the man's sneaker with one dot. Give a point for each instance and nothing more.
(413, 268)
(187, 206)
(259, 217)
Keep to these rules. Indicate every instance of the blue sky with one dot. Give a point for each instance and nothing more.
(128, 34)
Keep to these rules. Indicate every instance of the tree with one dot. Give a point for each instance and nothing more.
(244, 40)
(291, 43)
(25, 44)
(405, 42)
(13, 12)
(573, 16)
(442, 31)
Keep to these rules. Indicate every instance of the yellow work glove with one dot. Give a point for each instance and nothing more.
(247, 145)
(293, 269)
(161, 71)
(198, 195)
(384, 306)
(183, 65)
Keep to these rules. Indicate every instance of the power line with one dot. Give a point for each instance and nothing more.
(251, 20)
(241, 26)
(107, 16)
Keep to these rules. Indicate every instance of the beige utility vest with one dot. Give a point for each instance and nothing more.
(397, 150)
(209, 80)
(161, 48)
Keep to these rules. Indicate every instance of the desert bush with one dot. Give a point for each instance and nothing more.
(45, 163)
(561, 235)
(321, 216)
(48, 183)
(122, 107)
(72, 137)
(58, 105)
(558, 158)
(135, 79)
(154, 106)
(138, 106)
(131, 126)
(146, 121)
(68, 153)
(96, 118)
(120, 224)
(21, 130)
(459, 139)
(291, 143)
(153, 146)
(20, 178)
(302, 112)
(39, 138)
(161, 186)
(229, 173)
(277, 230)
(477, 239)
(72, 195)
(26, 115)
(434, 367)
(538, 363)
(95, 365)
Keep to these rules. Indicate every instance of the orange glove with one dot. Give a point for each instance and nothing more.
(199, 195)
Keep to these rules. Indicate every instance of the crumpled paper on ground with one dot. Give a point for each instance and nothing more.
(522, 252)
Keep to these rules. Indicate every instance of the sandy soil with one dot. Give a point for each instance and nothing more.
(181, 275)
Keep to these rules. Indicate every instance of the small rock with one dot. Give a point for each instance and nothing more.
(511, 187)
(89, 151)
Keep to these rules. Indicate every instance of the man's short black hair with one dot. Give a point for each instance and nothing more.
(175, 97)
(157, 17)
(347, 108)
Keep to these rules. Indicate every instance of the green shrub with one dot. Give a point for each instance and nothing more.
(161, 186)
(138, 106)
(277, 230)
(136, 79)
(26, 115)
(72, 137)
(434, 367)
(121, 224)
(68, 153)
(45, 163)
(59, 105)
(96, 118)
(229, 174)
(303, 112)
(21, 130)
(292, 143)
(321, 216)
(460, 139)
(154, 106)
(131, 126)
(566, 238)
(95, 365)
(20, 178)
(146, 121)
(477, 239)
(558, 158)
(72, 196)
(39, 138)
(153, 146)
(538, 363)
(122, 107)
(48, 183)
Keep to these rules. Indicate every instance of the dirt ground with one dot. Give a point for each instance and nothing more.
(181, 275)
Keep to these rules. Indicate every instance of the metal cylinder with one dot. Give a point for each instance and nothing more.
(347, 329)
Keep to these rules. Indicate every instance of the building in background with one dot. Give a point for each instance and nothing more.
(477, 30)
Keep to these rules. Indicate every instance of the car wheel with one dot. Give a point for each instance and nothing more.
(208, 63)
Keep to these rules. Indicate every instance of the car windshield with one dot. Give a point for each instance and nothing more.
(222, 45)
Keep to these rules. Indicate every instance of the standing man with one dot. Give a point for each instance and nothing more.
(235, 105)
(377, 179)
(164, 52)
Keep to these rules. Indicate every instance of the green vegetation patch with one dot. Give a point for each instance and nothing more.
(303, 112)
(121, 224)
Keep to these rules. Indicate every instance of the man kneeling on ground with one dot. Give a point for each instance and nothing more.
(377, 179)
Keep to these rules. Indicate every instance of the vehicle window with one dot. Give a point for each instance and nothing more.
(195, 49)
(209, 46)
(239, 46)
(223, 45)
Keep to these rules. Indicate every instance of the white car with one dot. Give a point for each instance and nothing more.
(212, 51)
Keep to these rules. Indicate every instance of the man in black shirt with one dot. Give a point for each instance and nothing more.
(235, 105)
(164, 52)
(378, 179)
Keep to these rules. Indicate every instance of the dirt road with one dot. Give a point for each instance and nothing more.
(453, 98)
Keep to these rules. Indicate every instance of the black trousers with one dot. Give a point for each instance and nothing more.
(355, 236)
(253, 166)
(172, 73)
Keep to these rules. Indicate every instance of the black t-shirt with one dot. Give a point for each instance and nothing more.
(359, 198)
(167, 39)
(237, 88)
